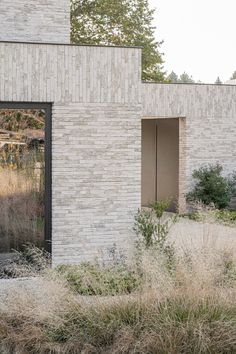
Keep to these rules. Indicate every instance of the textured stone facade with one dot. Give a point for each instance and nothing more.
(96, 179)
(96, 139)
(35, 21)
(210, 114)
(98, 101)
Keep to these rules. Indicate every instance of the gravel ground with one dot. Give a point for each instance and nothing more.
(189, 233)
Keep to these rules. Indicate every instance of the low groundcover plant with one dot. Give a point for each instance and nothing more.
(89, 279)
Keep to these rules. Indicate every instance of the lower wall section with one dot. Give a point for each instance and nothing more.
(210, 140)
(96, 180)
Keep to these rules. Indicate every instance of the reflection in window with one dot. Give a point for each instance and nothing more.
(22, 178)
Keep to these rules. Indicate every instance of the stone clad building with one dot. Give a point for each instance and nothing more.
(114, 143)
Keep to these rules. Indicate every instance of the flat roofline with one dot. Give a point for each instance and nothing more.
(72, 44)
(187, 83)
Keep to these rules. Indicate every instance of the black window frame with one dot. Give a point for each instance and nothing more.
(47, 107)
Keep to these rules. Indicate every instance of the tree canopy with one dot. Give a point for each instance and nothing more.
(218, 81)
(119, 22)
(183, 78)
(233, 77)
(173, 77)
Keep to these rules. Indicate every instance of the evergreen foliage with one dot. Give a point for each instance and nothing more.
(126, 23)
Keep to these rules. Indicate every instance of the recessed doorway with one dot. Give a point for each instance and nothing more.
(161, 163)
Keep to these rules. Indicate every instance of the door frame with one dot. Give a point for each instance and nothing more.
(47, 107)
(182, 179)
(156, 159)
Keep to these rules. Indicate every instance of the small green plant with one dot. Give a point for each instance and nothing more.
(232, 184)
(226, 216)
(146, 227)
(212, 187)
(152, 227)
(195, 216)
(152, 230)
(89, 279)
(160, 207)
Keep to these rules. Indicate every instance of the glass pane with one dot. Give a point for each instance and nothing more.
(22, 178)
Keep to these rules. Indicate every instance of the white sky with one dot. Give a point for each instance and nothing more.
(199, 37)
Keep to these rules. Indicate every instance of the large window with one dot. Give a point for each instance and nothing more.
(25, 176)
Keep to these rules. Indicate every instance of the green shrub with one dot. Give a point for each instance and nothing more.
(152, 231)
(88, 279)
(159, 207)
(226, 216)
(232, 184)
(212, 187)
(195, 216)
(152, 227)
(145, 227)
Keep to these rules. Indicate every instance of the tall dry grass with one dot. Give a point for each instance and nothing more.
(20, 210)
(188, 309)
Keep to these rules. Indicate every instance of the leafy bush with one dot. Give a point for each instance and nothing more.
(146, 227)
(88, 279)
(159, 207)
(150, 225)
(152, 230)
(211, 215)
(212, 187)
(226, 216)
(232, 184)
(195, 216)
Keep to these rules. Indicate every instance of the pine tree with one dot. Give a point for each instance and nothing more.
(173, 77)
(186, 79)
(119, 22)
(233, 77)
(218, 81)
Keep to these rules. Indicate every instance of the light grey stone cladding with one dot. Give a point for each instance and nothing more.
(210, 112)
(96, 179)
(69, 74)
(98, 101)
(96, 139)
(35, 21)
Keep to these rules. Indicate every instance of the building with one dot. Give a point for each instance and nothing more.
(112, 141)
(231, 82)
